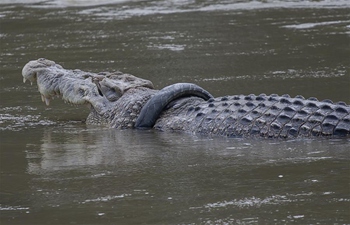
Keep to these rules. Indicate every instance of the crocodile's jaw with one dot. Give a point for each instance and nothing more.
(101, 92)
(73, 86)
(55, 82)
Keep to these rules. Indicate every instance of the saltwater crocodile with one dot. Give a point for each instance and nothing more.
(119, 100)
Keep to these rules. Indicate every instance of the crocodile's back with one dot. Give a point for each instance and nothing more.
(266, 116)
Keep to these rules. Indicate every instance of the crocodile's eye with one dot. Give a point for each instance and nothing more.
(112, 95)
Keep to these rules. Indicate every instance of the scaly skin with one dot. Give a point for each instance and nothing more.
(116, 100)
(264, 116)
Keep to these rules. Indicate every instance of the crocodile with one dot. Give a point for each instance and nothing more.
(120, 100)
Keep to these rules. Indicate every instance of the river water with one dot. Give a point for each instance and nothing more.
(56, 170)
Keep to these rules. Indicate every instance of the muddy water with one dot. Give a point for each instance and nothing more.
(56, 170)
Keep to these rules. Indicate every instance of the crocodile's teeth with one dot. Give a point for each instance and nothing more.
(47, 101)
(24, 80)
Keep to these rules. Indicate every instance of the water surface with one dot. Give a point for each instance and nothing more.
(57, 170)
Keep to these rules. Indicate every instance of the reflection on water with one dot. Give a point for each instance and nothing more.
(214, 181)
(55, 170)
(67, 148)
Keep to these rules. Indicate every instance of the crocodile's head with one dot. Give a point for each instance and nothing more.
(101, 92)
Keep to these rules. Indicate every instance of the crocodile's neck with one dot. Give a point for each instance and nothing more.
(128, 107)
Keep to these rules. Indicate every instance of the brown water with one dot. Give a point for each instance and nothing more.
(56, 170)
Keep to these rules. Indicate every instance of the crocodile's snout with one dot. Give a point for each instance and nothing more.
(29, 71)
